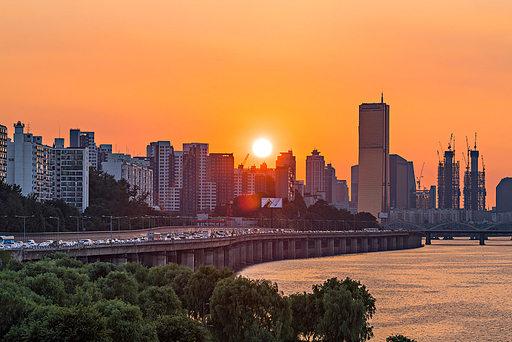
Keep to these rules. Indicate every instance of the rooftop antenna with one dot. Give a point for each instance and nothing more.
(382, 97)
(475, 141)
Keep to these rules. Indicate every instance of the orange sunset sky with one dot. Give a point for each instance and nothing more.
(294, 72)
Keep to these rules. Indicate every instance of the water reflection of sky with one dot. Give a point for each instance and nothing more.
(449, 291)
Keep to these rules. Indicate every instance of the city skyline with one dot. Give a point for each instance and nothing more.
(294, 73)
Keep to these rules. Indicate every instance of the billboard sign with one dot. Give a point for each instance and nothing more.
(272, 203)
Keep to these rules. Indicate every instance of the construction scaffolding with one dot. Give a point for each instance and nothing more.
(474, 181)
(448, 184)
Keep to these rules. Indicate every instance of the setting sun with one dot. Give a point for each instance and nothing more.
(262, 148)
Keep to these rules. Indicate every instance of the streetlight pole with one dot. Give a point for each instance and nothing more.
(58, 225)
(24, 219)
(77, 228)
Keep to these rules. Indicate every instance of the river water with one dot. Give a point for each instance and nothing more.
(452, 290)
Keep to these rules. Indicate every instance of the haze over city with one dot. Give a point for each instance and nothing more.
(228, 73)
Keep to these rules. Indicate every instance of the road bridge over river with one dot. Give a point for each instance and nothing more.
(475, 231)
(236, 252)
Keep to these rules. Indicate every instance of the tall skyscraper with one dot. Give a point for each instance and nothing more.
(354, 186)
(373, 187)
(3, 153)
(315, 176)
(401, 183)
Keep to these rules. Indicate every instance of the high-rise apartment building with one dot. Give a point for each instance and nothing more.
(135, 171)
(29, 164)
(71, 174)
(103, 151)
(373, 178)
(3, 153)
(331, 184)
(206, 193)
(315, 176)
(161, 161)
(78, 138)
(285, 175)
(221, 172)
(253, 180)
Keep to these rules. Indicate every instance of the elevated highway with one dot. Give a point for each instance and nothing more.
(236, 252)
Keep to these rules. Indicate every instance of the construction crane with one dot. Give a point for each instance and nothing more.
(418, 179)
(245, 160)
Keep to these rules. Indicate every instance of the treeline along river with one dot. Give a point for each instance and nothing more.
(452, 290)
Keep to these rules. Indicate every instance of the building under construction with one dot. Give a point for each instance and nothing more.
(448, 187)
(474, 181)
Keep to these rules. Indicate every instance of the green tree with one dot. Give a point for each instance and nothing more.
(200, 287)
(399, 338)
(239, 305)
(119, 285)
(155, 300)
(49, 286)
(304, 318)
(343, 310)
(124, 322)
(173, 275)
(179, 328)
(15, 303)
(54, 323)
(100, 269)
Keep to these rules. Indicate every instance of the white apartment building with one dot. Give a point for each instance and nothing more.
(28, 164)
(71, 174)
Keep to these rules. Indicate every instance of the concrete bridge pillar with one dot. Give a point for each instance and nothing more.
(304, 244)
(343, 246)
(428, 238)
(364, 245)
(374, 244)
(218, 257)
(353, 245)
(392, 243)
(291, 249)
(187, 259)
(318, 247)
(267, 251)
(399, 242)
(279, 255)
(198, 258)
(243, 255)
(257, 251)
(172, 257)
(330, 246)
(249, 254)
(482, 239)
(119, 259)
(208, 257)
(383, 243)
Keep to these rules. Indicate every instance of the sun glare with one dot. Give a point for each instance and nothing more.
(262, 148)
